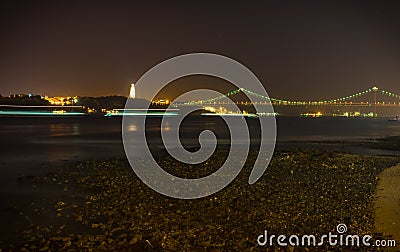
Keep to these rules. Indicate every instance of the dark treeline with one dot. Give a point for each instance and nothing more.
(96, 103)
(103, 102)
(35, 100)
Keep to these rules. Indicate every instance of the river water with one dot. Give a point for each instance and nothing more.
(31, 141)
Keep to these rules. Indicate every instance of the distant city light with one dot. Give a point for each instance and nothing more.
(61, 101)
(215, 105)
(42, 113)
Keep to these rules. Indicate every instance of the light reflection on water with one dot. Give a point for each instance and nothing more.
(27, 144)
(64, 129)
(35, 139)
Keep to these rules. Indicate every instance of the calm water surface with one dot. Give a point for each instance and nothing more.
(28, 142)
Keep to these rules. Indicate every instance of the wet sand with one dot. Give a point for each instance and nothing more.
(387, 205)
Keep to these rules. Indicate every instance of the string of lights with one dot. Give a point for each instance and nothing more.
(393, 95)
(339, 100)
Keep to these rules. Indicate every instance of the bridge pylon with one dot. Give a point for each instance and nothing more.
(375, 89)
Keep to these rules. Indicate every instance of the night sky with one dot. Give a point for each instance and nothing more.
(307, 50)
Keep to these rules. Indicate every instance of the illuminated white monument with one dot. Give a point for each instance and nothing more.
(132, 93)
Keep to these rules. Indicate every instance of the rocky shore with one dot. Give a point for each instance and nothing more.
(103, 206)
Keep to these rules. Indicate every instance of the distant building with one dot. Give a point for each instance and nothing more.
(18, 96)
(161, 102)
(62, 101)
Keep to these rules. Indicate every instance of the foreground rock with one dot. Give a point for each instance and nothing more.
(304, 192)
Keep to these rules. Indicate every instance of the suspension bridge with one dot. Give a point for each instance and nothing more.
(364, 98)
(373, 97)
(346, 100)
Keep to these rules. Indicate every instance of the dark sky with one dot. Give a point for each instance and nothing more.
(298, 49)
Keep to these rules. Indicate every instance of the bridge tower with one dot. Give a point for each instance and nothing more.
(375, 89)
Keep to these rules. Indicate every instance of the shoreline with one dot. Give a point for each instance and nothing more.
(387, 204)
(49, 205)
(295, 203)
